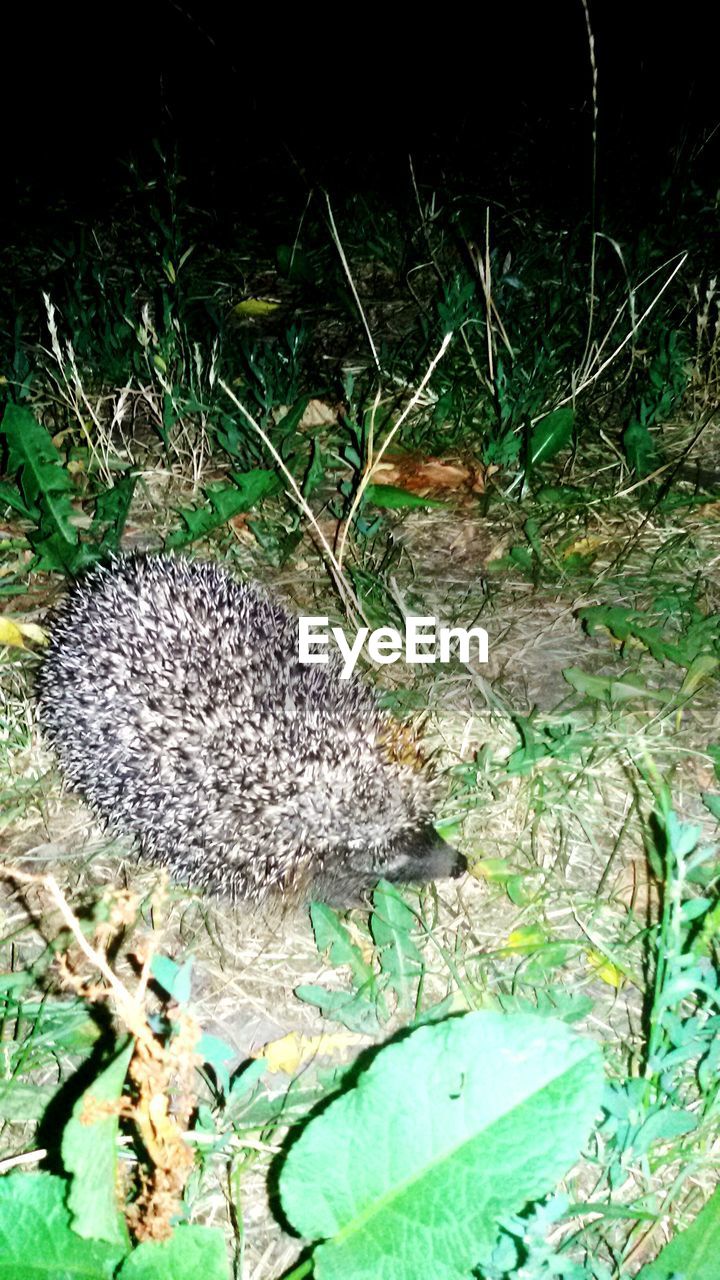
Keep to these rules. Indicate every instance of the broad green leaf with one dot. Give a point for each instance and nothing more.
(294, 263)
(55, 553)
(662, 1125)
(391, 498)
(246, 1079)
(701, 637)
(712, 804)
(224, 502)
(217, 1054)
(450, 1129)
(261, 1108)
(10, 497)
(494, 870)
(111, 510)
(45, 484)
(354, 1011)
(550, 435)
(89, 1153)
(36, 1240)
(521, 889)
(527, 938)
(697, 673)
(682, 836)
(522, 557)
(606, 689)
(640, 448)
(191, 1253)
(694, 908)
(174, 978)
(315, 474)
(286, 426)
(34, 458)
(331, 936)
(694, 1253)
(562, 495)
(63, 1024)
(449, 828)
(532, 531)
(391, 924)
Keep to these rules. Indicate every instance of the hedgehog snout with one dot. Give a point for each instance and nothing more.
(422, 857)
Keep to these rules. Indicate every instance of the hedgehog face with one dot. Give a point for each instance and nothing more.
(420, 858)
(346, 878)
(355, 821)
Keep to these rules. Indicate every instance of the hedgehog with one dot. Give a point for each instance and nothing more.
(175, 700)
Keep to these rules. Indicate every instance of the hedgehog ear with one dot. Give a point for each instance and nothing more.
(421, 857)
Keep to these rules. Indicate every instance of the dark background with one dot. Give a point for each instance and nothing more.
(260, 101)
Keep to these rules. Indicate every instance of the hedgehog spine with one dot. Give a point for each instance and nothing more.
(177, 705)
